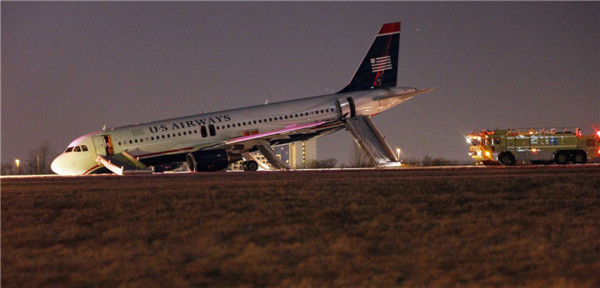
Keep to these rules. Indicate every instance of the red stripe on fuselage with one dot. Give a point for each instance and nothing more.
(91, 169)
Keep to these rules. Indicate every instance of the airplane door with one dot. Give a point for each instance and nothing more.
(347, 108)
(103, 145)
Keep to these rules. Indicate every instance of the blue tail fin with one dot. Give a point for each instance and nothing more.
(379, 69)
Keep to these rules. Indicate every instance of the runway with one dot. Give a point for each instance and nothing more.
(409, 227)
(498, 169)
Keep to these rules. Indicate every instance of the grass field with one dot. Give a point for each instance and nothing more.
(375, 228)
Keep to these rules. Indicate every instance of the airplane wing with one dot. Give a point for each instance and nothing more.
(261, 141)
(265, 135)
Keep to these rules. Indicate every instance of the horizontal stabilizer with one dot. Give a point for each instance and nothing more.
(404, 96)
(370, 140)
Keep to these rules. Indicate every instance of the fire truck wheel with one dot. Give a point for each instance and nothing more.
(580, 157)
(506, 159)
(561, 157)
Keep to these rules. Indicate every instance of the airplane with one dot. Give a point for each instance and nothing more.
(211, 141)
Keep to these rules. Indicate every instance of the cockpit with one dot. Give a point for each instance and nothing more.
(79, 157)
(81, 148)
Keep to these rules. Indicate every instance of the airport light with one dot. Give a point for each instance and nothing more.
(398, 150)
(17, 161)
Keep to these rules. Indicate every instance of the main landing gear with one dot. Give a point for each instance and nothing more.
(250, 165)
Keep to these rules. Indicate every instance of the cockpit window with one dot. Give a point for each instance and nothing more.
(77, 149)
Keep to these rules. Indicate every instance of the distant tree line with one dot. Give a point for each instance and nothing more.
(37, 162)
(429, 161)
(360, 160)
(322, 164)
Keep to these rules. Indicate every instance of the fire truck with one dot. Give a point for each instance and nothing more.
(533, 146)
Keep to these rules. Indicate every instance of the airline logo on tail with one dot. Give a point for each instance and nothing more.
(381, 64)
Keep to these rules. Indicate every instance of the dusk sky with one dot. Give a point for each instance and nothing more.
(69, 68)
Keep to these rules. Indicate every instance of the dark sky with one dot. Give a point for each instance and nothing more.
(68, 68)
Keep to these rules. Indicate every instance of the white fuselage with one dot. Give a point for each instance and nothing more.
(185, 134)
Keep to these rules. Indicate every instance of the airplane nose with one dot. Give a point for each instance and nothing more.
(55, 166)
(60, 165)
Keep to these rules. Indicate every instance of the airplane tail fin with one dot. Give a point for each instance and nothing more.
(379, 68)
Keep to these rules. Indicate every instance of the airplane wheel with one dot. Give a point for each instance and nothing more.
(250, 166)
(506, 159)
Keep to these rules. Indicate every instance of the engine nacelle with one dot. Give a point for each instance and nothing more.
(210, 160)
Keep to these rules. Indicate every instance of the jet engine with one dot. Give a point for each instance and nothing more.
(210, 160)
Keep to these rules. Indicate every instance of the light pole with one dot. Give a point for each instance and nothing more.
(17, 161)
